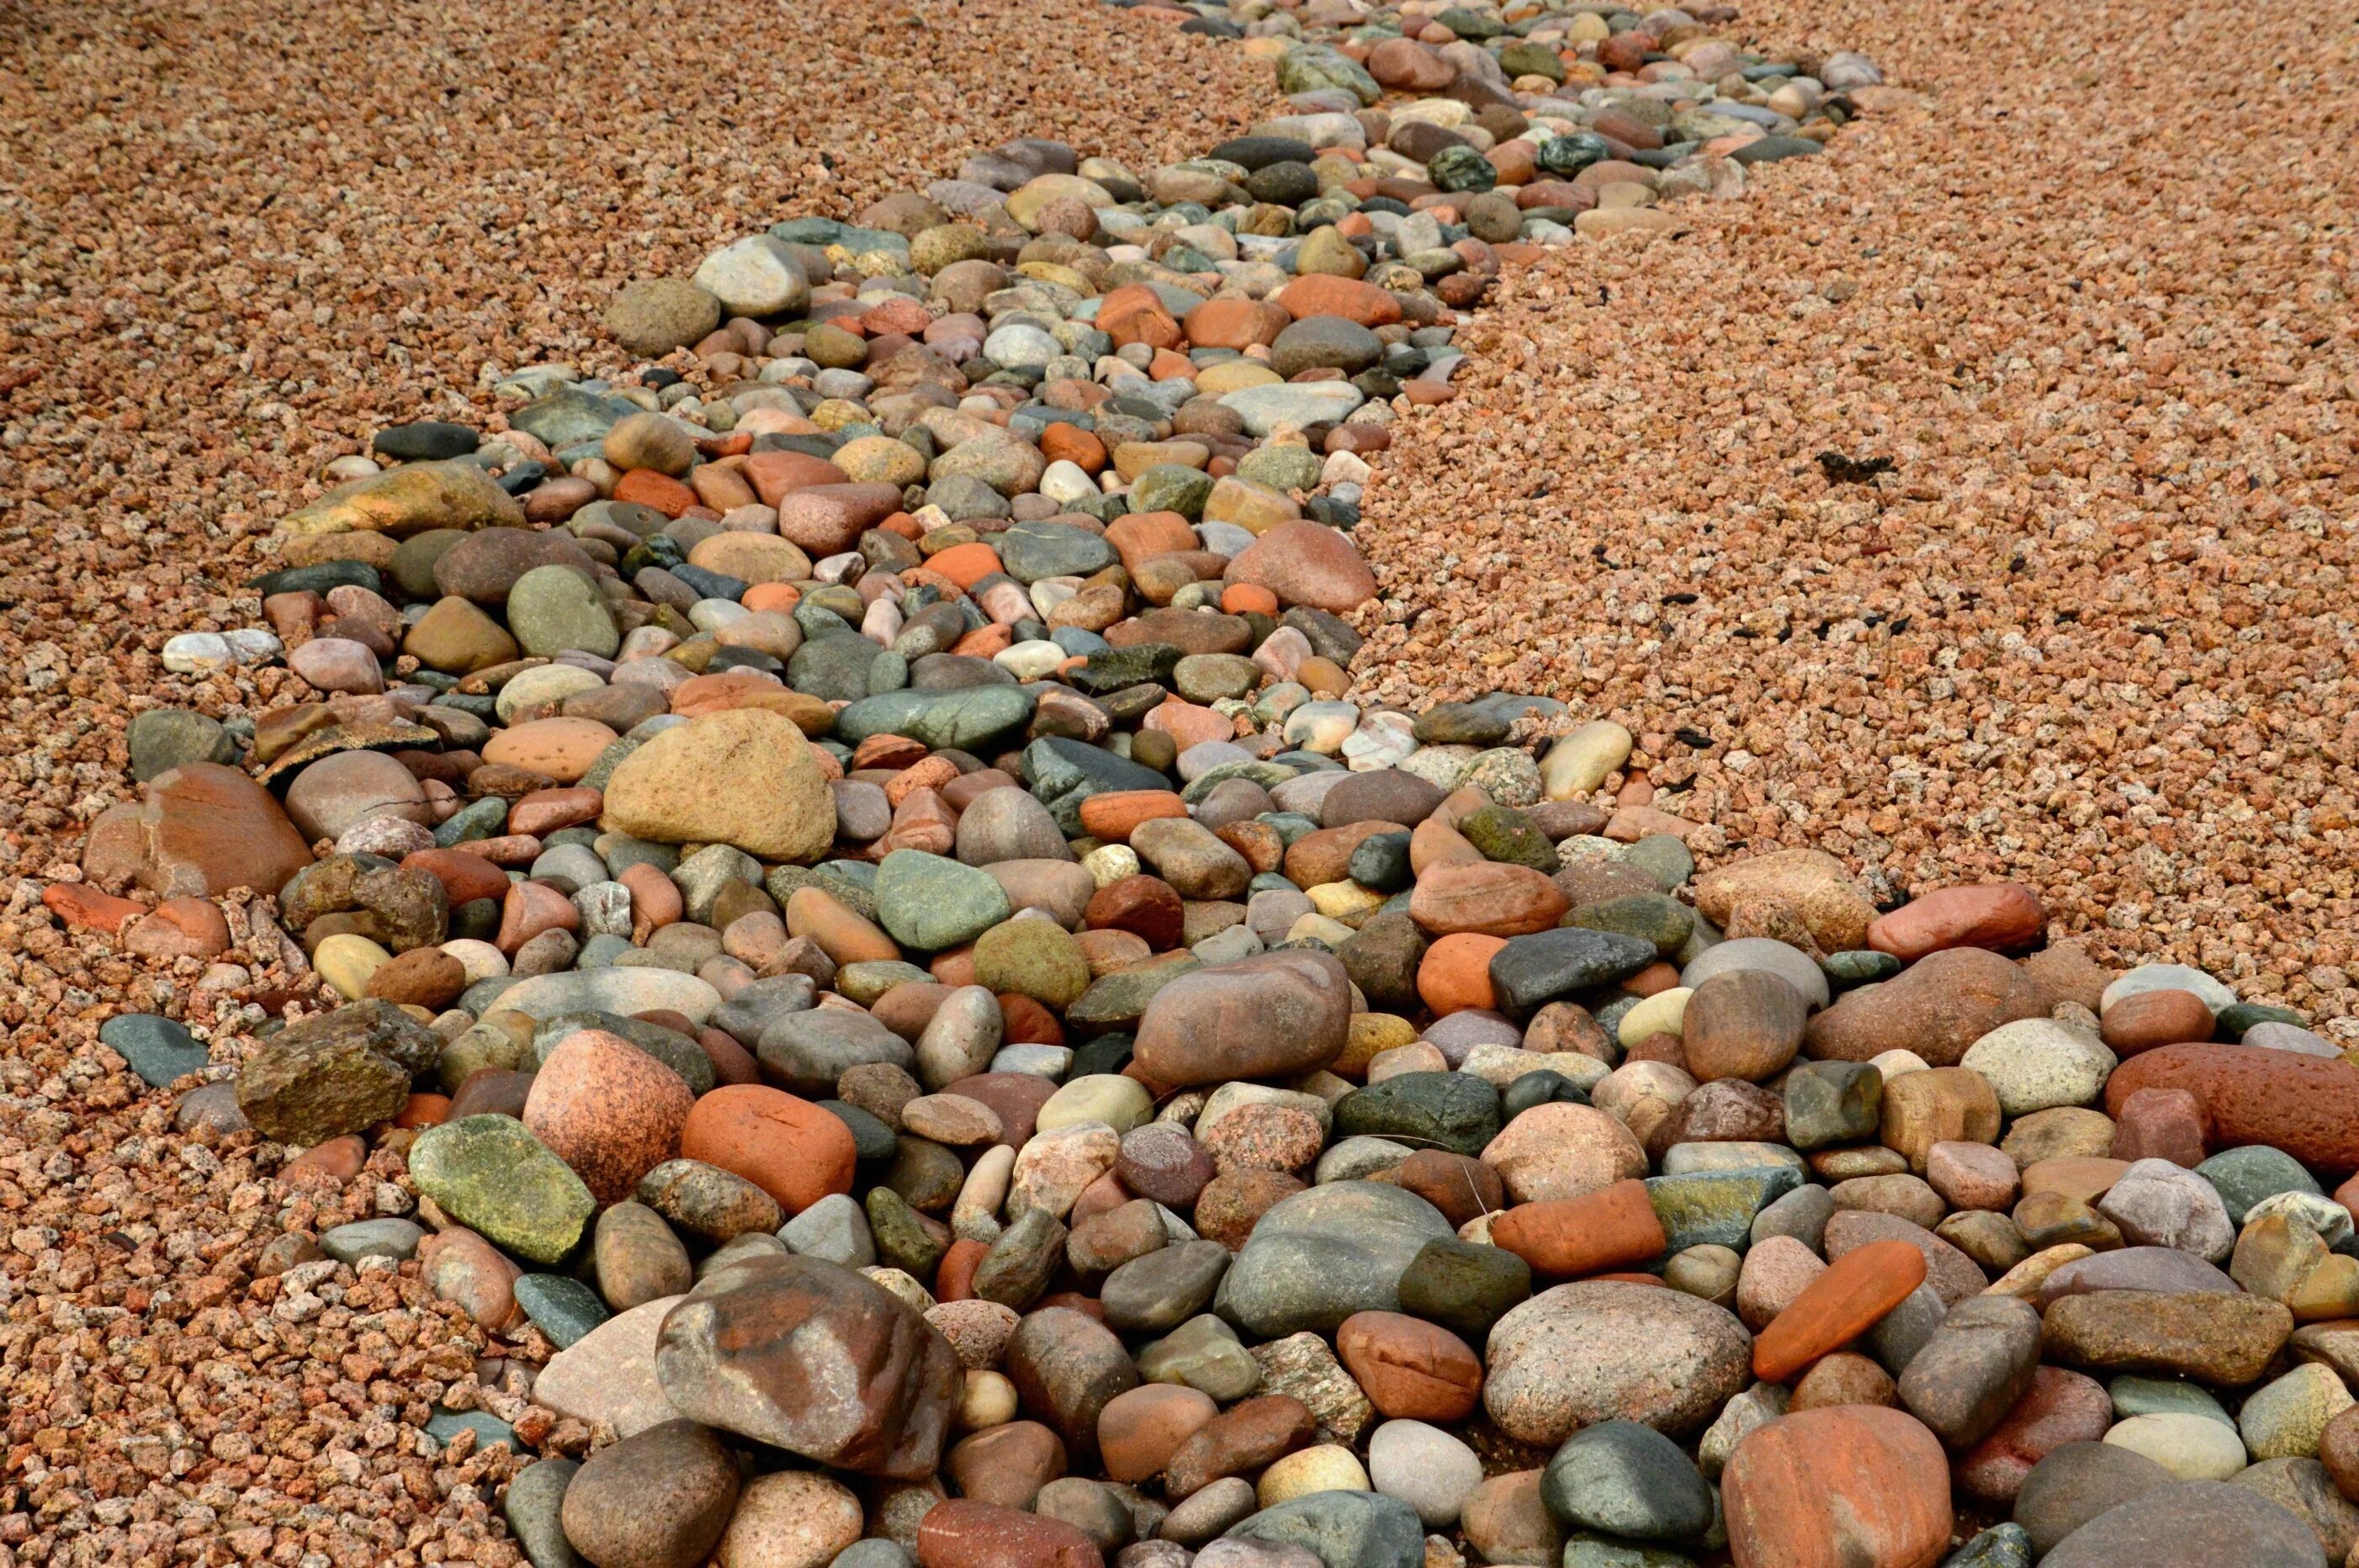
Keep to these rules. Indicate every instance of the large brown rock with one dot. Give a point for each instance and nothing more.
(1744, 1023)
(1936, 1007)
(813, 1358)
(1273, 1015)
(1808, 885)
(336, 1073)
(408, 500)
(744, 777)
(1066, 1367)
(2222, 1339)
(658, 1500)
(201, 829)
(608, 1109)
(2306, 1105)
(1306, 563)
(1849, 1486)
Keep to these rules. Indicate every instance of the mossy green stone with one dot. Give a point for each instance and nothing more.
(1650, 917)
(492, 1176)
(1032, 958)
(934, 903)
(1453, 1111)
(1465, 1286)
(2242, 1177)
(1281, 467)
(1503, 834)
(864, 983)
(1118, 1000)
(1662, 857)
(902, 1241)
(1169, 487)
(1717, 1207)
(1461, 169)
(1531, 60)
(558, 609)
(2234, 1019)
(1859, 967)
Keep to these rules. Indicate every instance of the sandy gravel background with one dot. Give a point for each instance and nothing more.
(2094, 631)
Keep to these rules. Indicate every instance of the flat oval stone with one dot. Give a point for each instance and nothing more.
(1602, 1350)
(2196, 1524)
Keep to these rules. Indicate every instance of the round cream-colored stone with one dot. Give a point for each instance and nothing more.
(1234, 375)
(2191, 1447)
(545, 683)
(2037, 1064)
(790, 1518)
(1579, 762)
(1329, 1467)
(986, 1399)
(1320, 928)
(1894, 1063)
(1066, 483)
(1447, 113)
(1341, 900)
(346, 962)
(1120, 1103)
(480, 959)
(1110, 862)
(1660, 1014)
(1034, 661)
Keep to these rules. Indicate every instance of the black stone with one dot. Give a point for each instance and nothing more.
(427, 441)
(319, 578)
(1260, 152)
(1452, 1111)
(1532, 971)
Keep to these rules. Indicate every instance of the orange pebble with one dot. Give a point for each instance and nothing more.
(954, 1277)
(965, 564)
(1238, 598)
(648, 488)
(1455, 975)
(985, 642)
(424, 1110)
(779, 598)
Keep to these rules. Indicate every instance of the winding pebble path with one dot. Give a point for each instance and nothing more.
(1524, 333)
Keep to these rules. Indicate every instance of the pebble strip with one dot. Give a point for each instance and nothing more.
(1147, 1164)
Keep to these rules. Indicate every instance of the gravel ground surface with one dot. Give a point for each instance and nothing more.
(235, 241)
(2118, 232)
(2093, 631)
(206, 292)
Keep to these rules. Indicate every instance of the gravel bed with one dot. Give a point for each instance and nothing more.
(2099, 656)
(2092, 632)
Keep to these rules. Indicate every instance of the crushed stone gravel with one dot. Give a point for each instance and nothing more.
(2094, 630)
(2093, 300)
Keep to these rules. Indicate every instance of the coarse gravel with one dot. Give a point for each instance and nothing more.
(2099, 323)
(235, 240)
(2096, 630)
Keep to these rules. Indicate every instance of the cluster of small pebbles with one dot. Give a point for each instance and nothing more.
(884, 987)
